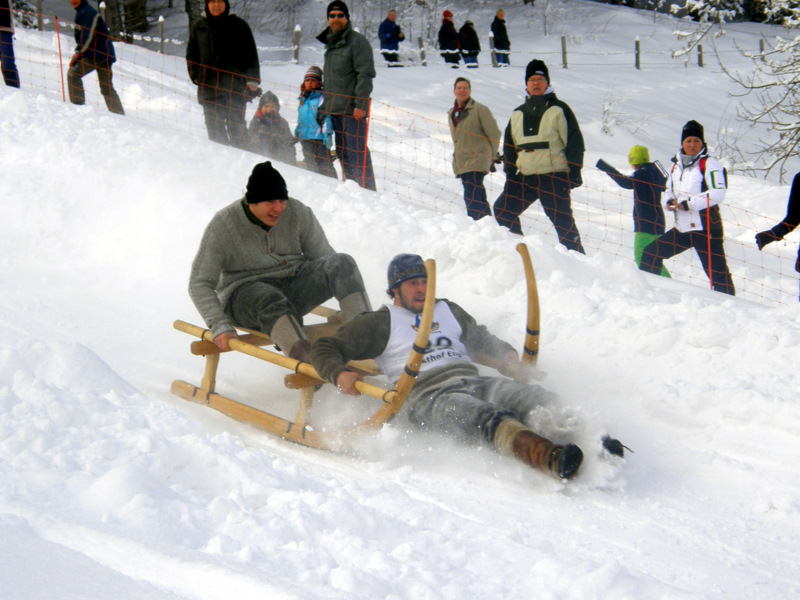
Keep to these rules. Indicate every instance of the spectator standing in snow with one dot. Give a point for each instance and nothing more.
(696, 187)
(543, 148)
(269, 131)
(449, 395)
(789, 223)
(470, 44)
(448, 40)
(476, 139)
(264, 262)
(347, 81)
(314, 138)
(502, 45)
(94, 52)
(390, 37)
(647, 183)
(7, 63)
(223, 63)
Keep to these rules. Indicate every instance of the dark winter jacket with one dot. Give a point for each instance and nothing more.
(789, 223)
(91, 35)
(543, 136)
(647, 183)
(6, 22)
(501, 41)
(221, 56)
(468, 40)
(389, 35)
(270, 134)
(347, 73)
(448, 36)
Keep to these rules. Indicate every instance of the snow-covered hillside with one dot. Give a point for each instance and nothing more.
(111, 487)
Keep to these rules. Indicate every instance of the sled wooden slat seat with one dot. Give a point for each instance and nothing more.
(303, 377)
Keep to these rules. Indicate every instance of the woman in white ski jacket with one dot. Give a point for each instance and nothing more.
(695, 188)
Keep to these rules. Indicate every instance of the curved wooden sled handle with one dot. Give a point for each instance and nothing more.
(297, 430)
(531, 347)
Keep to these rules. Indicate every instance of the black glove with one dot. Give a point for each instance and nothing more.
(765, 237)
(575, 180)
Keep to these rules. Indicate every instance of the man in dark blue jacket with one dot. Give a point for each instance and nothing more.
(7, 63)
(94, 52)
(390, 36)
(647, 183)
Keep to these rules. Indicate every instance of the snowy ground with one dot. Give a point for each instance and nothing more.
(110, 487)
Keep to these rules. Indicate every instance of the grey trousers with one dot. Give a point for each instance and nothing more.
(259, 304)
(470, 408)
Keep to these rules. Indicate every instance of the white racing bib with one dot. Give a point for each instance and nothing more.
(444, 343)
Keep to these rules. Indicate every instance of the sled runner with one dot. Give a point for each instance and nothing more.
(303, 376)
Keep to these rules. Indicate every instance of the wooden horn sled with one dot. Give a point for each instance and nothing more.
(303, 377)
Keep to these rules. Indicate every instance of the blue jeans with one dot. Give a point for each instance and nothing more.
(351, 147)
(9, 66)
(475, 195)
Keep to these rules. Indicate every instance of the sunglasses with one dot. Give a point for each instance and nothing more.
(336, 15)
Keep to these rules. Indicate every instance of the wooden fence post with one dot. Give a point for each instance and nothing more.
(39, 18)
(638, 52)
(491, 46)
(296, 54)
(422, 52)
(161, 34)
(564, 51)
(700, 55)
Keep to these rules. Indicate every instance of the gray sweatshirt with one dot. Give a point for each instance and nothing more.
(237, 248)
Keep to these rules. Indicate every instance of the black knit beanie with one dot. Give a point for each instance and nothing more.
(338, 5)
(692, 129)
(537, 67)
(265, 184)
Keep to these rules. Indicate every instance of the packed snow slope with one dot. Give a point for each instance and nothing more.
(111, 488)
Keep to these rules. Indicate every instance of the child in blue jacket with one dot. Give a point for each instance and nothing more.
(647, 183)
(316, 140)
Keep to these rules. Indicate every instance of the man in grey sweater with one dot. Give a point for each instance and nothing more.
(264, 262)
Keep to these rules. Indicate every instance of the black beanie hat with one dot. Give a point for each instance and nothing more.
(338, 5)
(692, 129)
(537, 67)
(265, 184)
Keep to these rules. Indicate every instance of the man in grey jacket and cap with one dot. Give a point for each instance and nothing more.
(264, 262)
(347, 80)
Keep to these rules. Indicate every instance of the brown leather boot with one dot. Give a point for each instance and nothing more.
(541, 453)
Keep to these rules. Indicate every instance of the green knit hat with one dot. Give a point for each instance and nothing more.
(638, 155)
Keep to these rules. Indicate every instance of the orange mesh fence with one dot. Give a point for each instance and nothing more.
(411, 157)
